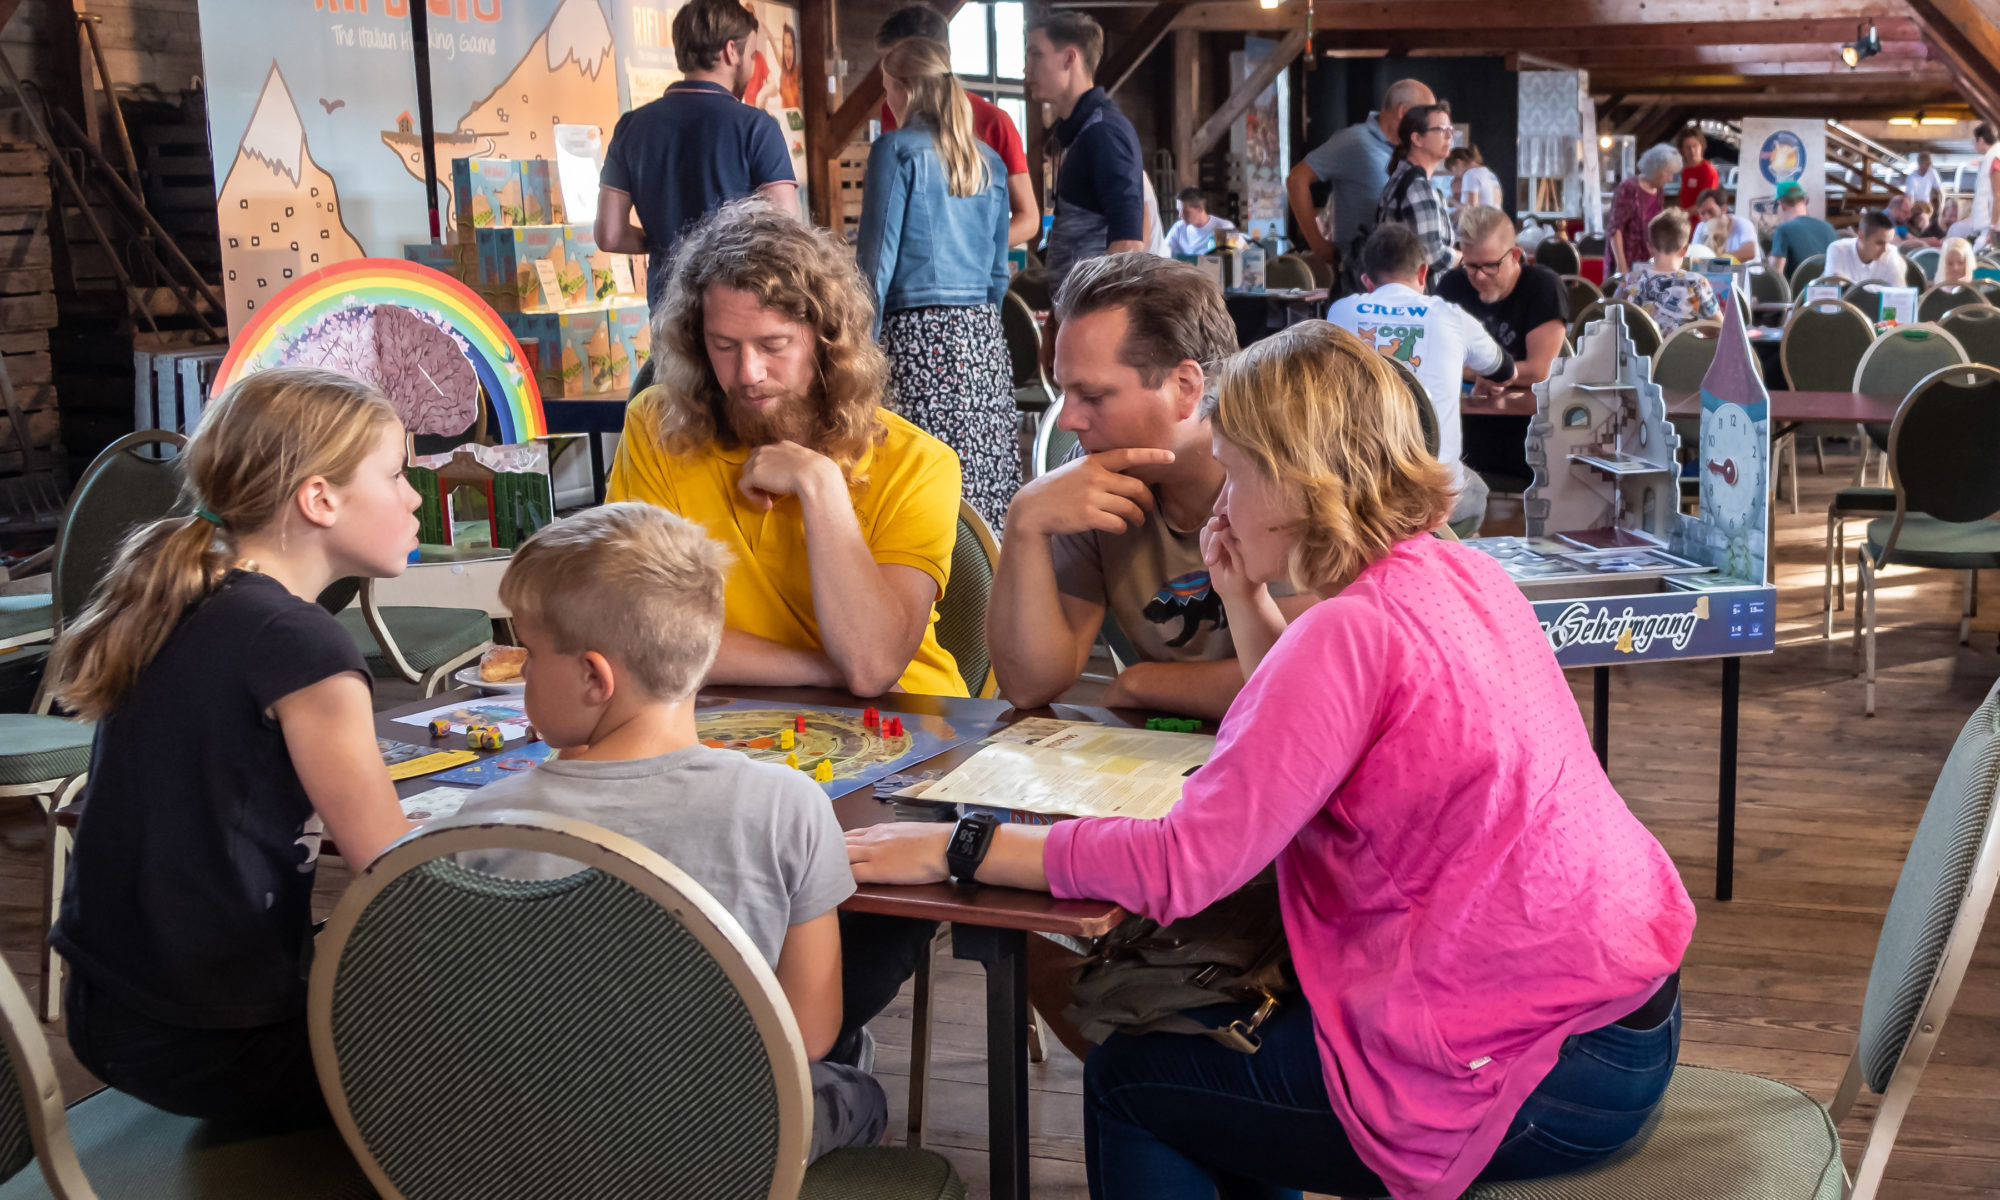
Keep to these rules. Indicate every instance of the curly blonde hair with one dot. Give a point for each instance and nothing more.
(792, 268)
(1323, 417)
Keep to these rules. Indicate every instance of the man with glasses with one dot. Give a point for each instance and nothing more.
(1522, 304)
(694, 149)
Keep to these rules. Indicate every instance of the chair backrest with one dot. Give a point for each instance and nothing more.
(1945, 297)
(1032, 285)
(1809, 269)
(1052, 445)
(1823, 344)
(1913, 275)
(1420, 395)
(1866, 296)
(1768, 287)
(1685, 356)
(1977, 328)
(1593, 311)
(1582, 293)
(961, 620)
(1639, 324)
(1288, 271)
(1321, 272)
(480, 1036)
(1989, 288)
(1590, 245)
(642, 378)
(33, 1124)
(1558, 256)
(1941, 445)
(1902, 357)
(1925, 260)
(1024, 339)
(1934, 920)
(119, 491)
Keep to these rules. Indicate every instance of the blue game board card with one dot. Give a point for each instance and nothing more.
(858, 754)
(511, 761)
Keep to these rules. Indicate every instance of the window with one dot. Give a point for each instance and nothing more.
(1576, 417)
(989, 50)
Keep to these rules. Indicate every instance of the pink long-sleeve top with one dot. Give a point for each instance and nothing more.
(1462, 887)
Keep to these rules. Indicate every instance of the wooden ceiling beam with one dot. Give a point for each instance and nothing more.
(1584, 16)
(1500, 39)
(1898, 54)
(1115, 68)
(1639, 83)
(1245, 93)
(866, 98)
(1969, 45)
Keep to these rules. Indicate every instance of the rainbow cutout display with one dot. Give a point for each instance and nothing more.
(496, 356)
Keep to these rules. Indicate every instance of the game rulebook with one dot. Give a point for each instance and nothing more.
(1081, 771)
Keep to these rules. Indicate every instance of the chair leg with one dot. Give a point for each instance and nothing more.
(1827, 594)
(920, 1047)
(1867, 603)
(1792, 469)
(1971, 608)
(56, 846)
(1819, 453)
(1840, 562)
(1037, 1034)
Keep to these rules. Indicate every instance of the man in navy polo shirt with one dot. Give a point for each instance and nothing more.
(1100, 202)
(695, 148)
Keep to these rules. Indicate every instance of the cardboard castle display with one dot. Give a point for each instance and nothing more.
(506, 487)
(1616, 571)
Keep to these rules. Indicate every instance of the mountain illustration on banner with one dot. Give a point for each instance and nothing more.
(280, 210)
(565, 78)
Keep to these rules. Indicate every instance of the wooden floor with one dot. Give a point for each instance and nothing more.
(1774, 980)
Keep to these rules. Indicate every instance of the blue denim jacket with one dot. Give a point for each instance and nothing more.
(920, 245)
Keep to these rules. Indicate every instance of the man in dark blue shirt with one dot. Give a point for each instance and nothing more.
(695, 148)
(1100, 201)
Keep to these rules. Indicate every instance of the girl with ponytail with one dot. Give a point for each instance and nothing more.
(933, 245)
(234, 727)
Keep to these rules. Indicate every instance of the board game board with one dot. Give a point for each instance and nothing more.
(858, 754)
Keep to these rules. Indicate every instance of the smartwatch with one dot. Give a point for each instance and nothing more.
(970, 839)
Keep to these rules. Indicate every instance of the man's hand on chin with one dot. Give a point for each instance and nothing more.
(783, 469)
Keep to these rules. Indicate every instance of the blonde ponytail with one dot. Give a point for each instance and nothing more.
(267, 435)
(939, 103)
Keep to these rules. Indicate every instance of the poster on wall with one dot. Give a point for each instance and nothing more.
(312, 112)
(1780, 150)
(1262, 142)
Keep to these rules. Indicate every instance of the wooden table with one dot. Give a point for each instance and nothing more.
(1789, 409)
(989, 925)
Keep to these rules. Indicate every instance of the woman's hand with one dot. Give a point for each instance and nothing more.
(1223, 555)
(902, 852)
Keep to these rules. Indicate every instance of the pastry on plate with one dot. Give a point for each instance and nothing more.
(502, 664)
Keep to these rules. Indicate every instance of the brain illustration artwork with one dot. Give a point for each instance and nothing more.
(417, 361)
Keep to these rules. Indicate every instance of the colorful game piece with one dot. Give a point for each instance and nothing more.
(786, 739)
(895, 728)
(792, 761)
(871, 718)
(440, 727)
(799, 724)
(823, 773)
(484, 737)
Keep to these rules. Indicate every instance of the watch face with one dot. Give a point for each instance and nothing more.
(1732, 466)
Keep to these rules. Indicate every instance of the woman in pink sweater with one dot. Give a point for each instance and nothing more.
(1487, 941)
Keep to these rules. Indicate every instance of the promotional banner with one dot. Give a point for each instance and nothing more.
(312, 109)
(1779, 150)
(1263, 140)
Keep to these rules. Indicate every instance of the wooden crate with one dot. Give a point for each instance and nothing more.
(27, 298)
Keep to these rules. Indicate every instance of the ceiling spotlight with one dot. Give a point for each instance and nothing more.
(1924, 120)
(1864, 45)
(1270, 3)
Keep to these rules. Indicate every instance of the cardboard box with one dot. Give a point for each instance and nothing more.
(631, 340)
(586, 352)
(541, 193)
(595, 277)
(509, 278)
(436, 256)
(487, 193)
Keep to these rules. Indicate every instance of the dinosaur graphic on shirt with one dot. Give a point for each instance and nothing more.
(1395, 341)
(1190, 599)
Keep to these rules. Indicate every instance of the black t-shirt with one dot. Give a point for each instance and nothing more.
(190, 894)
(1537, 299)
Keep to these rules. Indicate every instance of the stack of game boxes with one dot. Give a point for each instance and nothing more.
(583, 308)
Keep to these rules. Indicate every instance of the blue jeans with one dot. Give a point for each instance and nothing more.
(1166, 1116)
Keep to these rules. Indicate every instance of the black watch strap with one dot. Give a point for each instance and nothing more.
(971, 838)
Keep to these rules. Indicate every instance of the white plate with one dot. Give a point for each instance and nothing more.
(469, 677)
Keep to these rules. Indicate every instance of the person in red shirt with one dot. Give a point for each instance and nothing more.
(1697, 174)
(990, 123)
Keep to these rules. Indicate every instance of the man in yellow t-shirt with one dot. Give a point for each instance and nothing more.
(766, 428)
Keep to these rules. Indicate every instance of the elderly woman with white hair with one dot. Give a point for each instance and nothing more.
(1635, 203)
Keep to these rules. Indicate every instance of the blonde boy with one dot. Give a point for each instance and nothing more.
(620, 609)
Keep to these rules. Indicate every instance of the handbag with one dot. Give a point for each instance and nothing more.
(1144, 976)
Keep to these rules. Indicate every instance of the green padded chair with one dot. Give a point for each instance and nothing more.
(1052, 445)
(1913, 276)
(961, 619)
(1976, 327)
(1809, 269)
(1945, 297)
(1639, 325)
(1684, 357)
(1032, 285)
(1581, 292)
(1989, 288)
(113, 1146)
(1941, 453)
(1767, 286)
(1033, 393)
(45, 756)
(1419, 396)
(415, 644)
(1719, 1135)
(479, 1036)
(1925, 260)
(1559, 256)
(1288, 271)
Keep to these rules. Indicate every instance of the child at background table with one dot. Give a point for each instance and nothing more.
(620, 609)
(234, 729)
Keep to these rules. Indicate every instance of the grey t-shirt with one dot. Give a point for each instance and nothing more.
(1356, 162)
(761, 838)
(1154, 583)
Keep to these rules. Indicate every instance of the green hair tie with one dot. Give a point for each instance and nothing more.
(208, 515)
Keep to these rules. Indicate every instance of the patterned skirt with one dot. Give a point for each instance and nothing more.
(950, 376)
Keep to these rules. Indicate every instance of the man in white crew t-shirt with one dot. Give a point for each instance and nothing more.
(1868, 256)
(1436, 339)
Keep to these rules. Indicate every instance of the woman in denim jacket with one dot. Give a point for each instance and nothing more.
(933, 245)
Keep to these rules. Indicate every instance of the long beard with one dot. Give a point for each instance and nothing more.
(789, 420)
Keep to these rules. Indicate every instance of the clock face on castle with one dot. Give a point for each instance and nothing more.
(1732, 466)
